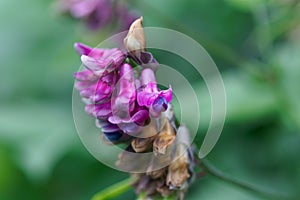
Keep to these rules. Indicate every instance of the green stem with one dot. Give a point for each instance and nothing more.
(114, 190)
(210, 169)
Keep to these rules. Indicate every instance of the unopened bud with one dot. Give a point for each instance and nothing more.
(135, 41)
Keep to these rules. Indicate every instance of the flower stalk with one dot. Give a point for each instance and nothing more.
(114, 190)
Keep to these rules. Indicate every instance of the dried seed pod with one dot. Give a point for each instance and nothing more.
(165, 138)
(178, 170)
(142, 144)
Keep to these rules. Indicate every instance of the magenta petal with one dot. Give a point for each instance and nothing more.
(82, 49)
(140, 117)
(96, 65)
(80, 85)
(147, 76)
(167, 94)
(99, 110)
(150, 93)
(123, 100)
(88, 92)
(85, 75)
(145, 99)
(130, 127)
(115, 119)
(82, 9)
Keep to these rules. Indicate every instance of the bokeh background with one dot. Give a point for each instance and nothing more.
(255, 44)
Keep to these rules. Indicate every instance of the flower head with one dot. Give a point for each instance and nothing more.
(129, 108)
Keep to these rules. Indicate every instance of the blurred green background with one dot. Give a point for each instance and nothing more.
(255, 44)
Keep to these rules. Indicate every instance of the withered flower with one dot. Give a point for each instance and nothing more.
(178, 170)
(165, 138)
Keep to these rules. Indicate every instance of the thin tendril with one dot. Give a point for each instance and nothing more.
(210, 169)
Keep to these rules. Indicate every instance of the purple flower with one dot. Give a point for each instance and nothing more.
(77, 8)
(98, 13)
(100, 61)
(149, 95)
(126, 113)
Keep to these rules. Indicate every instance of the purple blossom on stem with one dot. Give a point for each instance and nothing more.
(126, 112)
(150, 96)
(122, 104)
(100, 61)
(96, 84)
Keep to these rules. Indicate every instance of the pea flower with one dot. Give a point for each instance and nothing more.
(150, 96)
(126, 113)
(98, 14)
(125, 100)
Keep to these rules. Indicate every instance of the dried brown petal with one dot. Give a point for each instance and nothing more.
(178, 173)
(165, 138)
(155, 174)
(144, 140)
(142, 144)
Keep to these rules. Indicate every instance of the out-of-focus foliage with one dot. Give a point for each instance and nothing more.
(255, 44)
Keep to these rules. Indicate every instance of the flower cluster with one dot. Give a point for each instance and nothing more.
(121, 102)
(98, 13)
(120, 90)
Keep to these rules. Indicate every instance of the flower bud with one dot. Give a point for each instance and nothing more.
(135, 41)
